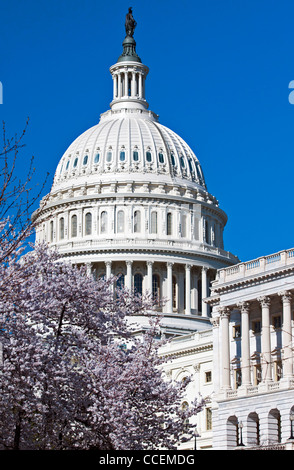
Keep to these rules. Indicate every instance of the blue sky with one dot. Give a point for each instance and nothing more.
(219, 76)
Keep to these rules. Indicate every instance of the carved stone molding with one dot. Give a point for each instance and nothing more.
(264, 301)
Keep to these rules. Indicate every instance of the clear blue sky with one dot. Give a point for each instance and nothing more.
(219, 76)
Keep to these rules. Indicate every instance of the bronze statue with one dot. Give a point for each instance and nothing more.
(130, 23)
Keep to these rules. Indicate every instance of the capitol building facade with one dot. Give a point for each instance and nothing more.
(129, 199)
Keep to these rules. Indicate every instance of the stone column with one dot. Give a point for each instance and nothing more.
(204, 291)
(265, 339)
(119, 86)
(108, 269)
(129, 275)
(287, 335)
(169, 303)
(225, 347)
(89, 269)
(245, 343)
(188, 288)
(149, 276)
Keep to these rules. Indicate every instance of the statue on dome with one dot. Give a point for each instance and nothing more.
(130, 23)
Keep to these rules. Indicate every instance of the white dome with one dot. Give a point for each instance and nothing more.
(126, 142)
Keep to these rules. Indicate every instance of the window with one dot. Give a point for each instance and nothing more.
(236, 331)
(153, 222)
(173, 159)
(122, 156)
(161, 157)
(190, 165)
(208, 376)
(85, 161)
(135, 155)
(88, 223)
(75, 162)
(103, 226)
(156, 287)
(169, 223)
(148, 156)
(137, 221)
(61, 228)
(109, 156)
(120, 222)
(182, 161)
(138, 283)
(238, 377)
(97, 157)
(174, 292)
(67, 165)
(120, 282)
(74, 226)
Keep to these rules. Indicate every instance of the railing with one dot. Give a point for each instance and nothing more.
(258, 265)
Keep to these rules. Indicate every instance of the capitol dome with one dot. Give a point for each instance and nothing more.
(129, 199)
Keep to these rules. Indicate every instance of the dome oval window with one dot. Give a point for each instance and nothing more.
(109, 156)
(135, 155)
(148, 156)
(85, 161)
(182, 162)
(173, 159)
(67, 165)
(161, 157)
(97, 157)
(122, 156)
(75, 162)
(190, 165)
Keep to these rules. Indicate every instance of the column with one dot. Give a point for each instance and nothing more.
(149, 276)
(188, 289)
(89, 269)
(204, 291)
(108, 269)
(133, 86)
(287, 335)
(245, 344)
(265, 339)
(126, 84)
(129, 275)
(119, 86)
(225, 347)
(140, 85)
(169, 303)
(114, 85)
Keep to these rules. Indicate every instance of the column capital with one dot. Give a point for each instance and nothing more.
(169, 264)
(108, 263)
(188, 267)
(205, 268)
(244, 306)
(224, 312)
(264, 301)
(149, 263)
(129, 263)
(215, 322)
(286, 296)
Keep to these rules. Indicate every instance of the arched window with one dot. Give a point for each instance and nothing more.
(135, 155)
(97, 157)
(122, 155)
(109, 156)
(75, 162)
(153, 222)
(138, 283)
(172, 157)
(67, 165)
(148, 156)
(156, 287)
(182, 161)
(137, 221)
(169, 224)
(103, 224)
(88, 223)
(61, 228)
(274, 426)
(74, 226)
(232, 432)
(161, 157)
(85, 161)
(120, 222)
